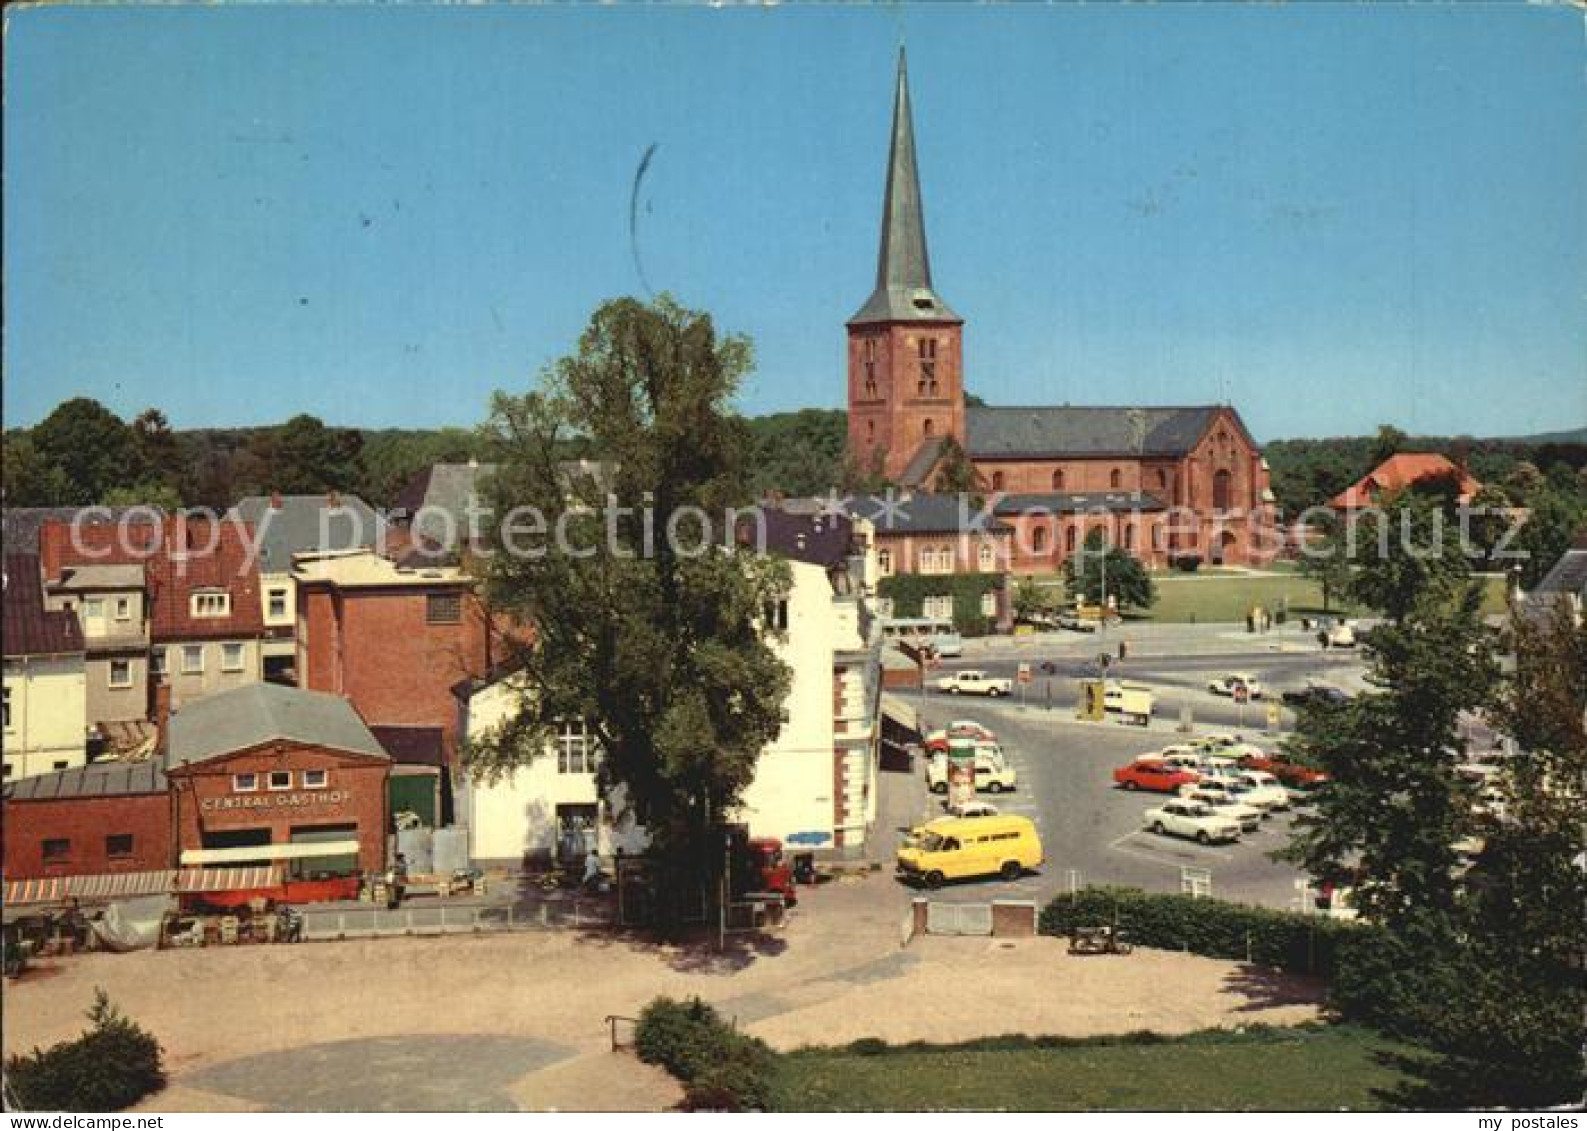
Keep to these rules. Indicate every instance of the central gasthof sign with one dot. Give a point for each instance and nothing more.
(277, 800)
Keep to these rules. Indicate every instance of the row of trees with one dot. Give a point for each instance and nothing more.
(1484, 966)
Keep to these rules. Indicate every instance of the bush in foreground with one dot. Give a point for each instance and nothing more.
(113, 1065)
(721, 1069)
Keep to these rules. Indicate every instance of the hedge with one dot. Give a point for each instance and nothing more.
(110, 1067)
(1285, 940)
(908, 592)
(721, 1069)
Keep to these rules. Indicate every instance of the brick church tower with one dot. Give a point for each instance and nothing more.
(906, 374)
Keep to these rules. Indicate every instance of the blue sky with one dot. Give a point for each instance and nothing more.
(1333, 216)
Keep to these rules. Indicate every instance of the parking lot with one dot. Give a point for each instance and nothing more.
(1092, 830)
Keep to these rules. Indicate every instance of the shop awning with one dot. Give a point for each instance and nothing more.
(111, 886)
(249, 852)
(901, 712)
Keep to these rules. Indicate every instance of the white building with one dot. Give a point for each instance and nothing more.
(814, 786)
(44, 705)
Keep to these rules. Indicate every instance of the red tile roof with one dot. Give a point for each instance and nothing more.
(180, 557)
(1400, 471)
(30, 629)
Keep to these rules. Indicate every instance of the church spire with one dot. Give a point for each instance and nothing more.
(903, 267)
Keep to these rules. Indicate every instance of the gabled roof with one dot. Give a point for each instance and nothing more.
(1085, 430)
(1400, 471)
(1568, 576)
(1076, 502)
(412, 746)
(256, 713)
(293, 524)
(29, 628)
(180, 557)
(97, 779)
(20, 526)
(922, 514)
(818, 539)
(923, 461)
(903, 268)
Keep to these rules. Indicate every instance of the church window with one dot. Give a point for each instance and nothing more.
(1038, 541)
(927, 348)
(1162, 479)
(1129, 536)
(1069, 540)
(870, 430)
(1058, 480)
(1115, 479)
(997, 480)
(870, 367)
(929, 428)
(1220, 490)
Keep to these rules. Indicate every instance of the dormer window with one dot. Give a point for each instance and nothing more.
(211, 603)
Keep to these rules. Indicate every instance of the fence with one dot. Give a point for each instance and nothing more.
(380, 922)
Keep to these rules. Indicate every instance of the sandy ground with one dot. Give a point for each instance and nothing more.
(534, 1005)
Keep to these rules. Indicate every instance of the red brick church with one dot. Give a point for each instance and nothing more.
(1163, 480)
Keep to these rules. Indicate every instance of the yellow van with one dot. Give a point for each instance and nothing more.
(961, 848)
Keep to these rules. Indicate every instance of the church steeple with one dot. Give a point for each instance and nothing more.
(903, 266)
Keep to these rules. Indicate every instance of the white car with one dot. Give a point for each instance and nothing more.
(1227, 746)
(1228, 684)
(1194, 819)
(1245, 792)
(1248, 816)
(992, 773)
(1262, 789)
(973, 809)
(1217, 766)
(970, 682)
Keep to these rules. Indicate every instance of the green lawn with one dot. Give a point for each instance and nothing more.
(1310, 1068)
(1227, 598)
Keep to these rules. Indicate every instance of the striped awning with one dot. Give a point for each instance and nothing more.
(107, 887)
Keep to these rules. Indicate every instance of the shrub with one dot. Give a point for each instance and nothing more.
(110, 1067)
(1300, 944)
(1185, 563)
(721, 1069)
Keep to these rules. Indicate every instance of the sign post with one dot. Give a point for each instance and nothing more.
(1024, 677)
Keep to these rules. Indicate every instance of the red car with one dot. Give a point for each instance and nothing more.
(937, 740)
(1288, 772)
(1155, 775)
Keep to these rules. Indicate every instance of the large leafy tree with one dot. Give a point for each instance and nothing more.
(1326, 561)
(956, 475)
(91, 447)
(662, 651)
(1555, 519)
(30, 480)
(1101, 570)
(1403, 552)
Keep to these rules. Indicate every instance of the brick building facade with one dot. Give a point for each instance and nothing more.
(103, 818)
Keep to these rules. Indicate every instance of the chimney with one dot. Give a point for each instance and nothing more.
(275, 500)
(162, 714)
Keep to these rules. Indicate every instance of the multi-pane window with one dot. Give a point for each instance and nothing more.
(231, 657)
(244, 783)
(937, 608)
(936, 559)
(118, 846)
(989, 604)
(120, 673)
(211, 604)
(575, 751)
(443, 608)
(315, 779)
(986, 556)
(870, 367)
(277, 603)
(192, 659)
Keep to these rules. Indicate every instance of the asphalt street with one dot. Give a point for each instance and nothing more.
(1091, 830)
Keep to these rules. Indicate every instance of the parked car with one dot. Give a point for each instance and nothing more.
(1075, 623)
(1193, 819)
(993, 774)
(1226, 746)
(953, 848)
(1341, 635)
(1249, 817)
(1227, 685)
(973, 809)
(947, 644)
(1314, 695)
(970, 682)
(938, 740)
(1154, 774)
(1289, 773)
(1262, 789)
